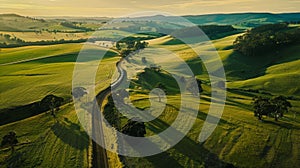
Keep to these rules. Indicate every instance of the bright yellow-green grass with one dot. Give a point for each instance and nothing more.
(240, 138)
(30, 73)
(282, 77)
(27, 75)
(48, 142)
(276, 73)
(52, 36)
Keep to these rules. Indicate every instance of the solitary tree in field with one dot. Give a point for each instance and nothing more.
(51, 102)
(162, 87)
(274, 107)
(79, 92)
(144, 60)
(10, 139)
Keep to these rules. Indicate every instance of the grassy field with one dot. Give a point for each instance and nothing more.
(240, 139)
(48, 142)
(35, 71)
(27, 74)
(32, 73)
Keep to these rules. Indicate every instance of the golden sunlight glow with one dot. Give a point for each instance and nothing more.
(120, 7)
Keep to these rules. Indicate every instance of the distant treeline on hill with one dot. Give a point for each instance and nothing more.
(267, 38)
(74, 26)
(211, 31)
(20, 43)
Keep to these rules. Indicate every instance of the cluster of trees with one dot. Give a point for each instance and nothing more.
(128, 45)
(74, 26)
(266, 38)
(113, 117)
(134, 128)
(272, 107)
(111, 114)
(11, 39)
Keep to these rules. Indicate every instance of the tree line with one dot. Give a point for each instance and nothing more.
(211, 31)
(267, 38)
(21, 43)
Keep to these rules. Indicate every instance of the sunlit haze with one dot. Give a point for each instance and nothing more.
(119, 8)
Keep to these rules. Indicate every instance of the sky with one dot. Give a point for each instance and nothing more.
(120, 8)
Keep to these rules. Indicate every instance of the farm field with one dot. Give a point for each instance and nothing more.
(29, 73)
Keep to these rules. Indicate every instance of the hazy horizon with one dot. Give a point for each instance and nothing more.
(119, 8)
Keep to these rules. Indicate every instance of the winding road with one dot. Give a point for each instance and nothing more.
(100, 159)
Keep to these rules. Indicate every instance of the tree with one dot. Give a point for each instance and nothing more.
(281, 105)
(274, 107)
(118, 46)
(111, 114)
(144, 60)
(134, 128)
(51, 102)
(194, 89)
(125, 52)
(162, 87)
(266, 38)
(261, 107)
(79, 92)
(10, 139)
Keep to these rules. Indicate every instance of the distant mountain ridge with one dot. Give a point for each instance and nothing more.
(238, 19)
(16, 22)
(244, 19)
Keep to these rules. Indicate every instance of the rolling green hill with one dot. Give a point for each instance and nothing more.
(241, 20)
(240, 139)
(48, 142)
(35, 71)
(27, 74)
(14, 22)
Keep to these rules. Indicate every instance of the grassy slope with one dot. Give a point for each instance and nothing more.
(43, 70)
(12, 22)
(46, 142)
(275, 73)
(240, 139)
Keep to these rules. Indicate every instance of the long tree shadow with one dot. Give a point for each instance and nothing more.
(245, 67)
(282, 124)
(195, 153)
(71, 134)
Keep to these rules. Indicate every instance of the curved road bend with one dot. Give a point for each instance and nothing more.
(100, 159)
